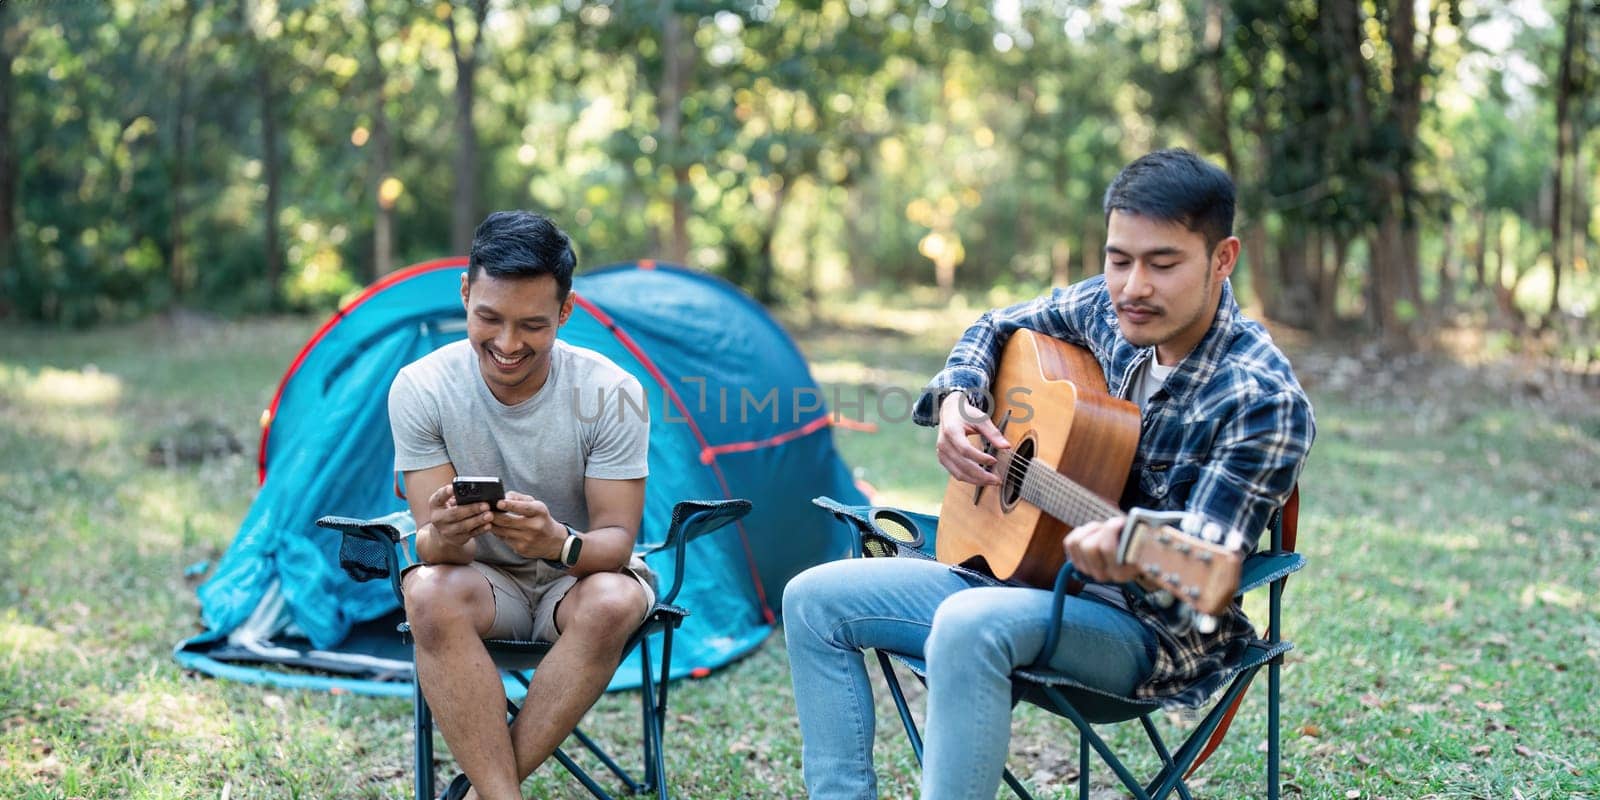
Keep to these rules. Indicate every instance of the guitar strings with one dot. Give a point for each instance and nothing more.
(1064, 491)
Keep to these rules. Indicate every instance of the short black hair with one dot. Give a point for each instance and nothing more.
(522, 244)
(1176, 185)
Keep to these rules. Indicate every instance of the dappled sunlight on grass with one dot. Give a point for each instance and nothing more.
(57, 388)
(1554, 594)
(855, 373)
(18, 639)
(81, 431)
(1456, 541)
(165, 708)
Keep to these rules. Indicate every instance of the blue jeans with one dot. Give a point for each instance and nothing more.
(970, 637)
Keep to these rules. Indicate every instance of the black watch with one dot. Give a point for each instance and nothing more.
(571, 548)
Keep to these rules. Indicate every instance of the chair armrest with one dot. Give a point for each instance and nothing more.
(881, 531)
(1261, 569)
(1058, 601)
(692, 519)
(367, 549)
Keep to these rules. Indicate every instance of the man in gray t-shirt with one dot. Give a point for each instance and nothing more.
(567, 433)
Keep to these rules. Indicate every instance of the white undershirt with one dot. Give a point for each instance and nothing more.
(1149, 379)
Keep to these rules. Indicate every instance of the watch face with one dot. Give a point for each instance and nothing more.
(574, 544)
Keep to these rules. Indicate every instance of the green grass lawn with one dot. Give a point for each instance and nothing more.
(1447, 639)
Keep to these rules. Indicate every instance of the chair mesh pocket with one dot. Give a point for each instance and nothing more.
(363, 559)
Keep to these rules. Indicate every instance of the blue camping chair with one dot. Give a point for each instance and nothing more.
(891, 532)
(373, 549)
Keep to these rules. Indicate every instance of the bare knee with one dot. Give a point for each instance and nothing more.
(444, 597)
(605, 606)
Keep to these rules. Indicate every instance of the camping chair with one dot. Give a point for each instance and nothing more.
(370, 549)
(890, 532)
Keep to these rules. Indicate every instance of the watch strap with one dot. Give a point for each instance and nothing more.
(571, 548)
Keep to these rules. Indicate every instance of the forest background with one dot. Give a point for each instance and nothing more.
(1404, 166)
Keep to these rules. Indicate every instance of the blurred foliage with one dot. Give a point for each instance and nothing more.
(167, 153)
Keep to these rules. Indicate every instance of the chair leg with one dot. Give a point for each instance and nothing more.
(1172, 777)
(1166, 756)
(1087, 734)
(579, 773)
(423, 751)
(911, 726)
(1016, 785)
(1083, 768)
(647, 714)
(655, 727)
(900, 703)
(1272, 730)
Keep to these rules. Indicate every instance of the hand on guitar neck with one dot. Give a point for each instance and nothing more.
(1143, 548)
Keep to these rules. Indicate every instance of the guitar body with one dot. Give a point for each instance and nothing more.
(1060, 414)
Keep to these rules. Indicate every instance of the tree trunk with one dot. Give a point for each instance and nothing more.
(1578, 226)
(1093, 247)
(675, 50)
(1564, 147)
(1215, 44)
(1388, 281)
(273, 166)
(178, 263)
(1328, 295)
(1254, 236)
(766, 266)
(1447, 273)
(1061, 262)
(10, 42)
(383, 207)
(1254, 248)
(464, 210)
(1481, 255)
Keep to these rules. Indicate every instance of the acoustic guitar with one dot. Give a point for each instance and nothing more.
(1071, 446)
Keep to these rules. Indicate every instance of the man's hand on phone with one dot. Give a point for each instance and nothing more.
(457, 525)
(526, 525)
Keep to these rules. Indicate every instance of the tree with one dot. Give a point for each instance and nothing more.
(11, 34)
(1561, 246)
(464, 48)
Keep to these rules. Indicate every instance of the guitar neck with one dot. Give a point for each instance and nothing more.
(1059, 496)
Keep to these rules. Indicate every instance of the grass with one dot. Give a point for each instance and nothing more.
(1447, 645)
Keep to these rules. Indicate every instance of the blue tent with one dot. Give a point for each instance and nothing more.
(734, 412)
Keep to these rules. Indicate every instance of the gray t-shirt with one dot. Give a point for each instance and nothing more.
(590, 419)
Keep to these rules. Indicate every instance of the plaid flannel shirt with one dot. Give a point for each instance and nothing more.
(1226, 436)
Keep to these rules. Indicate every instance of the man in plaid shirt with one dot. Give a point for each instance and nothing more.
(1225, 431)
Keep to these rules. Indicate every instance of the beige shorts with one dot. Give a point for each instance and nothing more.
(526, 596)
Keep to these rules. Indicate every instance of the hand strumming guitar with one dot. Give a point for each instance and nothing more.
(958, 419)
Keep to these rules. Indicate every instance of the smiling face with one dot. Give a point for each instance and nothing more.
(1164, 282)
(512, 323)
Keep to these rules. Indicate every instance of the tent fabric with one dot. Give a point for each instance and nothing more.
(734, 412)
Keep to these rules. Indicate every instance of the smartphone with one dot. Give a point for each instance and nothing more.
(471, 490)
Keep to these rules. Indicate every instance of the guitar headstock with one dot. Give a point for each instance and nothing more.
(1186, 560)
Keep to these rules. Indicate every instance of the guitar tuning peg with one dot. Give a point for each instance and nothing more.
(1234, 539)
(1205, 623)
(1211, 532)
(1160, 598)
(1191, 523)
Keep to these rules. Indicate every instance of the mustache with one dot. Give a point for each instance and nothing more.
(1139, 307)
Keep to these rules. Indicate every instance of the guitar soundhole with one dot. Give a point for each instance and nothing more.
(1011, 482)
